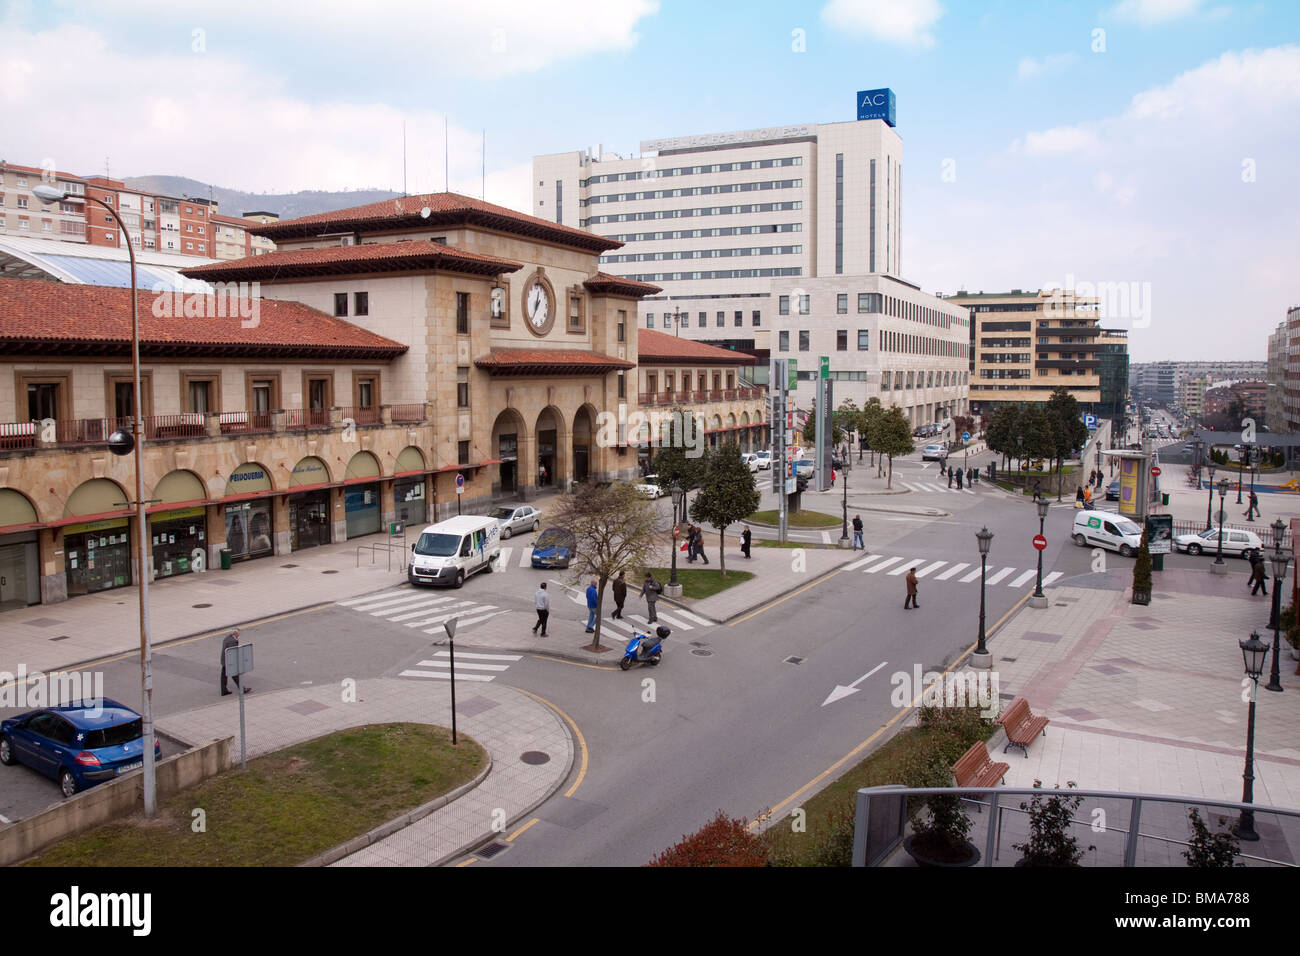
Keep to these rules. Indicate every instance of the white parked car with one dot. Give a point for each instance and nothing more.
(934, 453)
(1207, 542)
(804, 467)
(750, 459)
(649, 488)
(764, 459)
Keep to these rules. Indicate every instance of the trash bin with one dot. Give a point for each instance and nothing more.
(225, 559)
(1164, 499)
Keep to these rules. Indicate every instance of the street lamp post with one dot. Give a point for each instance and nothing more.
(678, 493)
(677, 321)
(1253, 652)
(1209, 496)
(51, 194)
(1254, 461)
(1223, 493)
(1038, 586)
(844, 526)
(981, 657)
(1279, 532)
(1280, 560)
(1241, 469)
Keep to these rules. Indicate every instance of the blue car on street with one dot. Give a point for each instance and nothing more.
(554, 548)
(77, 745)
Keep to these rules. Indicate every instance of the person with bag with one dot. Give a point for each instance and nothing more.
(699, 544)
(745, 537)
(1078, 499)
(1258, 575)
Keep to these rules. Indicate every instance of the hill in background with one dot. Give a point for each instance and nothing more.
(234, 202)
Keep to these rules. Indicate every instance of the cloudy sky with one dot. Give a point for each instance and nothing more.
(1153, 145)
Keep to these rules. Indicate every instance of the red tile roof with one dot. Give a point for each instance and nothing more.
(603, 283)
(444, 209)
(413, 255)
(549, 361)
(38, 317)
(653, 347)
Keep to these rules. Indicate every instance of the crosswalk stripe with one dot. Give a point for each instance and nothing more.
(409, 610)
(675, 623)
(371, 603)
(467, 666)
(904, 567)
(476, 620)
(482, 657)
(448, 614)
(702, 621)
(1048, 579)
(525, 557)
(450, 610)
(926, 570)
(971, 577)
(505, 555)
(446, 675)
(912, 487)
(861, 561)
(826, 537)
(955, 569)
(881, 566)
(616, 625)
(1001, 574)
(1023, 579)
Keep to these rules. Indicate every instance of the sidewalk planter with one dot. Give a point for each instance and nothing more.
(923, 859)
(1142, 574)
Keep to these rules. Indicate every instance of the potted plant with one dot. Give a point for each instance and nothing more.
(939, 825)
(1050, 840)
(1290, 630)
(1206, 849)
(1142, 574)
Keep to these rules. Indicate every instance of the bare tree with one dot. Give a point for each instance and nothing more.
(614, 528)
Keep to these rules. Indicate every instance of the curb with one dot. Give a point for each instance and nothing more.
(400, 823)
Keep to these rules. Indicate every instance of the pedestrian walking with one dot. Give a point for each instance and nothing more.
(911, 590)
(959, 473)
(650, 591)
(1252, 507)
(970, 477)
(949, 477)
(832, 477)
(1078, 498)
(542, 601)
(699, 545)
(593, 598)
(541, 475)
(857, 533)
(1258, 575)
(230, 640)
(1038, 490)
(745, 537)
(942, 469)
(690, 543)
(1087, 499)
(619, 588)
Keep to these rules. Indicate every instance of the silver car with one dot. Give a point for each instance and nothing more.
(510, 520)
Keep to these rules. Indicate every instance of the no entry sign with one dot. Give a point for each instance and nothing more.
(1155, 470)
(1040, 542)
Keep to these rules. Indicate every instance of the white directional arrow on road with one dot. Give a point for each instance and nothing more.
(841, 691)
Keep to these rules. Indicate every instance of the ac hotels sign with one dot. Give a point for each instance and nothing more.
(877, 104)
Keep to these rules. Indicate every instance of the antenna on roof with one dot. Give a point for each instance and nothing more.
(404, 193)
(446, 157)
(483, 153)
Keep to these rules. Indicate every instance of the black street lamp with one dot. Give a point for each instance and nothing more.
(1254, 460)
(1042, 516)
(1223, 493)
(677, 320)
(678, 493)
(844, 528)
(1280, 559)
(1253, 652)
(1241, 469)
(1209, 496)
(985, 537)
(1279, 532)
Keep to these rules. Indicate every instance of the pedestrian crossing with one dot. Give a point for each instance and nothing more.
(469, 667)
(896, 565)
(929, 487)
(677, 618)
(422, 610)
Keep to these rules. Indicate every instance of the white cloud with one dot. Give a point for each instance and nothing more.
(489, 38)
(904, 22)
(233, 126)
(1050, 65)
(1154, 12)
(1256, 78)
(1056, 141)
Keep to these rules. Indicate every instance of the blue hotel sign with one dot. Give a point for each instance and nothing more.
(877, 104)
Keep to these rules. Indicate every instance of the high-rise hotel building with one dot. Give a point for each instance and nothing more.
(714, 219)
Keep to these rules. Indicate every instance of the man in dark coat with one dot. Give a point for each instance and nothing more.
(1258, 575)
(619, 590)
(911, 590)
(745, 538)
(857, 533)
(699, 544)
(650, 591)
(959, 475)
(230, 640)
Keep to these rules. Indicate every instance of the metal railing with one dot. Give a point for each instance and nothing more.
(17, 435)
(184, 425)
(361, 414)
(302, 418)
(1113, 828)
(1260, 528)
(243, 422)
(408, 413)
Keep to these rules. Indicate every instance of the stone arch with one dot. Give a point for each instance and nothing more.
(248, 477)
(510, 444)
(16, 509)
(586, 456)
(96, 496)
(552, 443)
(309, 470)
(363, 464)
(180, 485)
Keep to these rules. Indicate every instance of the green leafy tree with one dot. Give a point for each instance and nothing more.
(1209, 850)
(676, 462)
(870, 415)
(615, 529)
(810, 432)
(1068, 430)
(1001, 431)
(1142, 572)
(728, 494)
(1036, 430)
(892, 435)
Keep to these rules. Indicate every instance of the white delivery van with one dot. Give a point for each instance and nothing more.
(448, 552)
(1102, 529)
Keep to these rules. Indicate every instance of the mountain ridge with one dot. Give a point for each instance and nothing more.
(236, 202)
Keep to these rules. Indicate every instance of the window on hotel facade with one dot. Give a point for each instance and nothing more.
(842, 340)
(462, 387)
(200, 395)
(783, 305)
(757, 318)
(340, 303)
(805, 304)
(864, 340)
(622, 385)
(366, 392)
(842, 303)
(704, 319)
(738, 319)
(462, 453)
(362, 302)
(462, 313)
(784, 341)
(649, 320)
(722, 319)
(803, 340)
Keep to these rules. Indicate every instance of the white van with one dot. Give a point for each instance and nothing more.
(1103, 529)
(448, 552)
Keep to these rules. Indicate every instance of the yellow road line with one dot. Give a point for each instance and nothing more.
(472, 859)
(781, 600)
(522, 829)
(582, 741)
(774, 812)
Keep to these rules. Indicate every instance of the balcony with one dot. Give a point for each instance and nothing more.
(700, 396)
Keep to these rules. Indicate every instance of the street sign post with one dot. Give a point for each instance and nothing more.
(965, 436)
(450, 628)
(239, 661)
(1040, 542)
(460, 489)
(1155, 471)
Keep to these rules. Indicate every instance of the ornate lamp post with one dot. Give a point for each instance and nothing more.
(1038, 586)
(1223, 493)
(844, 525)
(1209, 496)
(1279, 532)
(1280, 559)
(1241, 469)
(1253, 652)
(678, 493)
(981, 657)
(51, 194)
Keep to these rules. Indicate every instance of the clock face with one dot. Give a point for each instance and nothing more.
(539, 305)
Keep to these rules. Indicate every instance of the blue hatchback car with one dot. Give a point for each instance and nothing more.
(554, 548)
(77, 745)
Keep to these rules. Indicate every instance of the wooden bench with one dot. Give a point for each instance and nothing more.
(1021, 726)
(977, 769)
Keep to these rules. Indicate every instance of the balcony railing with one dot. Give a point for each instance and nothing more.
(184, 425)
(362, 415)
(245, 422)
(14, 435)
(303, 418)
(408, 413)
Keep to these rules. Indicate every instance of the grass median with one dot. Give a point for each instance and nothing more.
(798, 519)
(288, 806)
(700, 582)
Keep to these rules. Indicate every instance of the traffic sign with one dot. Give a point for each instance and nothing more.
(965, 436)
(1155, 470)
(825, 366)
(1040, 542)
(460, 483)
(792, 376)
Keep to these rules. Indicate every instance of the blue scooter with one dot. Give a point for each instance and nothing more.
(640, 651)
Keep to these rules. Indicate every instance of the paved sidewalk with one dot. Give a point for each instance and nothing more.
(1149, 699)
(510, 724)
